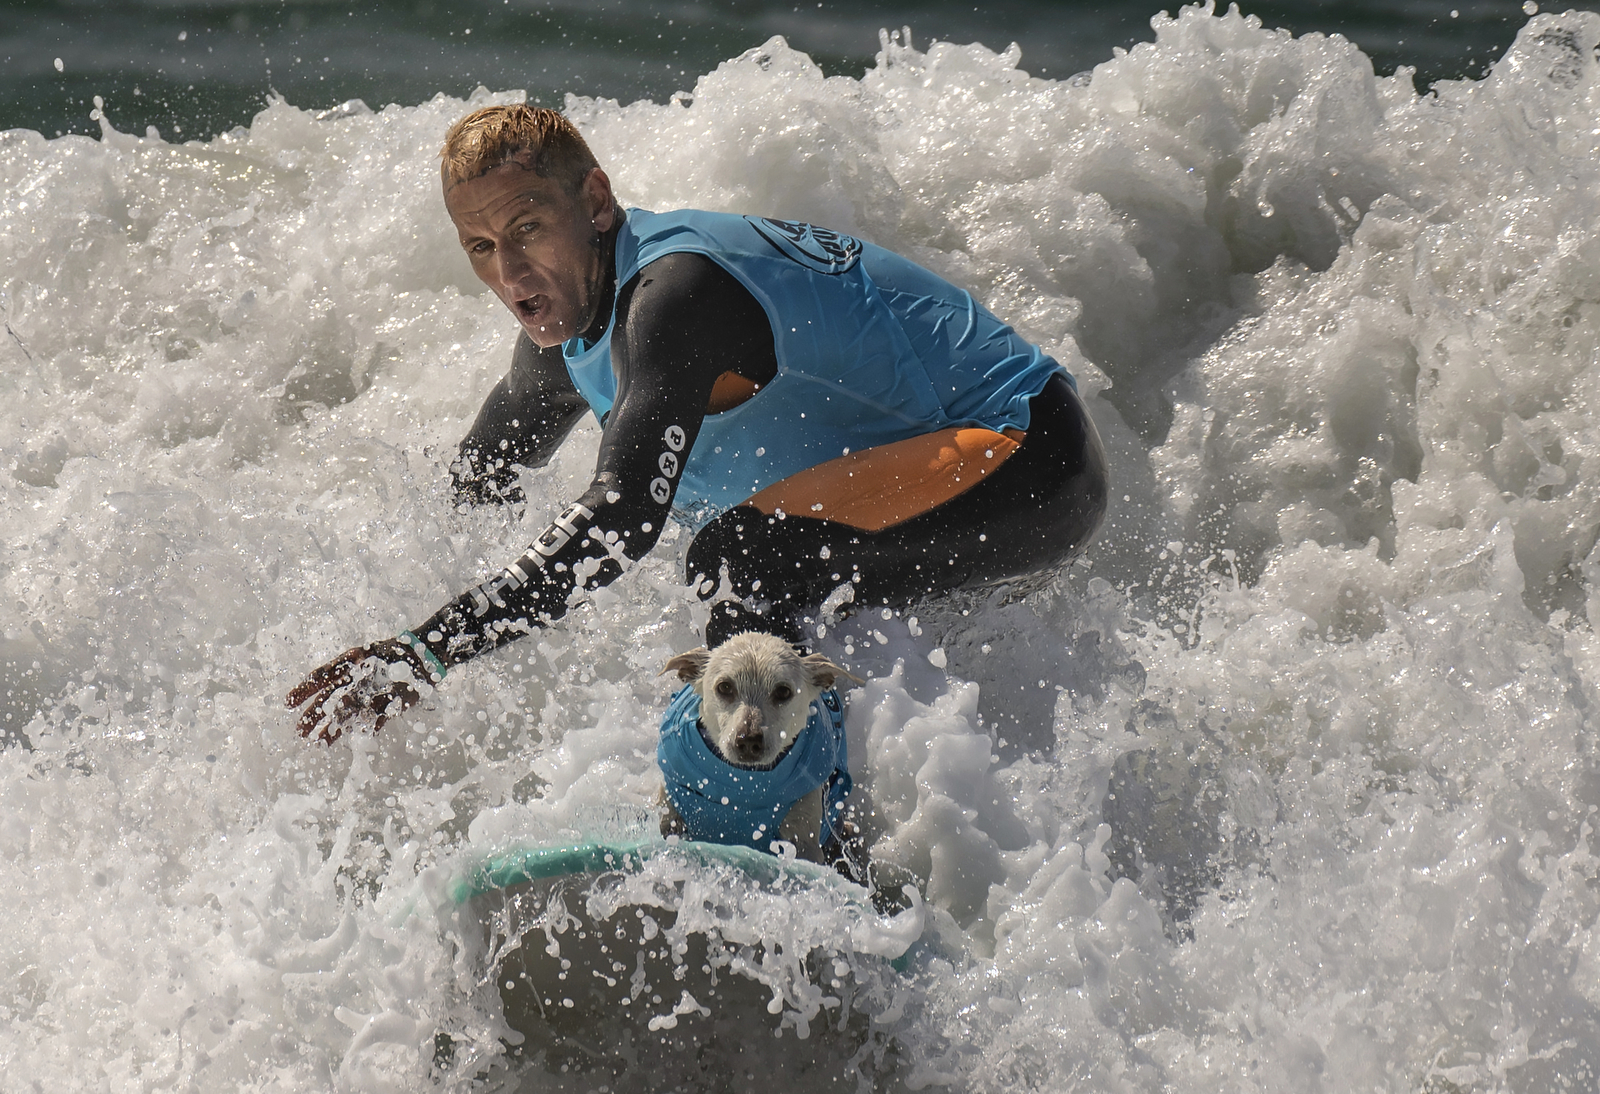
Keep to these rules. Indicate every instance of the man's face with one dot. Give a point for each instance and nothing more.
(535, 244)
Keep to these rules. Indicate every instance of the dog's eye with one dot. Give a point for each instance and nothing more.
(726, 689)
(782, 693)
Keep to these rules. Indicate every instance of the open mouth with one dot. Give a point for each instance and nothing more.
(529, 310)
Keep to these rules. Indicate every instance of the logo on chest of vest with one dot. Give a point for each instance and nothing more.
(819, 249)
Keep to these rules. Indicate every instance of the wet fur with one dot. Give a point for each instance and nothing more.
(755, 699)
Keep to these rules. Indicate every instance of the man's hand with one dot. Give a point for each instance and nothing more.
(383, 678)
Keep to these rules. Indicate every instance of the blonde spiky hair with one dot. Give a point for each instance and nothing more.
(493, 135)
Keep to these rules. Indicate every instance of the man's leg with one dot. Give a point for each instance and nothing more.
(1033, 513)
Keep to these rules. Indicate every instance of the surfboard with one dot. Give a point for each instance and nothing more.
(600, 944)
(598, 856)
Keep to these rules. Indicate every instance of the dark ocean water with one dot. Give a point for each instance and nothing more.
(196, 69)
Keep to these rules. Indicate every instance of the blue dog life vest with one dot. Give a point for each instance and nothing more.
(721, 803)
(871, 349)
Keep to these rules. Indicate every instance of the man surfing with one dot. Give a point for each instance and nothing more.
(821, 411)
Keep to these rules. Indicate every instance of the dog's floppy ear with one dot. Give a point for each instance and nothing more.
(822, 672)
(689, 666)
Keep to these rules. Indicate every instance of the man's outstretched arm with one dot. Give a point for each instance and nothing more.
(522, 423)
(675, 337)
(682, 323)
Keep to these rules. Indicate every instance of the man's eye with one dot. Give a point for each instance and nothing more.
(482, 247)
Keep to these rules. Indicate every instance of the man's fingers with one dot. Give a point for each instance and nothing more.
(347, 708)
(313, 718)
(305, 690)
(328, 725)
(335, 673)
(396, 701)
(336, 697)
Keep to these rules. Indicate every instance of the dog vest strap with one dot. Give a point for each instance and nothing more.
(720, 803)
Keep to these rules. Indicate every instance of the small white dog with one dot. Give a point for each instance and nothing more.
(756, 694)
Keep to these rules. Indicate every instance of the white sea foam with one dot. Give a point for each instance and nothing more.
(1291, 788)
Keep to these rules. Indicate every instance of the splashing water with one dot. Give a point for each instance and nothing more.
(1290, 788)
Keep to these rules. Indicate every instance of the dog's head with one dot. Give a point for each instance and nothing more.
(755, 694)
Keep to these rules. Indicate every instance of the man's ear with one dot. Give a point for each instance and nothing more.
(598, 202)
(822, 672)
(689, 666)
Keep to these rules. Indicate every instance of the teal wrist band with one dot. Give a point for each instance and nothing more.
(435, 665)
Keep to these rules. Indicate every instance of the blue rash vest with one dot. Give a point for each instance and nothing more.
(871, 349)
(720, 803)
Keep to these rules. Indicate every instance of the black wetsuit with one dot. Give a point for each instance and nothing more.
(689, 338)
